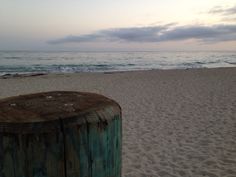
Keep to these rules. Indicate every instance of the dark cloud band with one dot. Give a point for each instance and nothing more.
(161, 33)
(223, 11)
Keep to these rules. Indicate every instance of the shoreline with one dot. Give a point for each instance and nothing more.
(177, 123)
(23, 75)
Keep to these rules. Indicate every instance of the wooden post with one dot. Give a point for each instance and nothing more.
(60, 134)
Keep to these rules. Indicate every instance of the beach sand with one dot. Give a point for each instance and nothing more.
(176, 123)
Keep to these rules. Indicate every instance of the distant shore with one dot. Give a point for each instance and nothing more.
(178, 123)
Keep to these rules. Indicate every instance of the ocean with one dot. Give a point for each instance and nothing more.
(23, 62)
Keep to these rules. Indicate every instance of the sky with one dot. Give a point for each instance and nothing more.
(124, 25)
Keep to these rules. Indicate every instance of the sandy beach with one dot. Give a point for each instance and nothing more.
(176, 123)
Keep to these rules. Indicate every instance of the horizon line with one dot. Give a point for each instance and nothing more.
(19, 50)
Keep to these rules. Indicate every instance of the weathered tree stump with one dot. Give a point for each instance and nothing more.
(60, 134)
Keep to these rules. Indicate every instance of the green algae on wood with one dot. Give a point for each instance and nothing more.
(60, 134)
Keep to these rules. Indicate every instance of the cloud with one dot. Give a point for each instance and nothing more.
(134, 34)
(74, 39)
(229, 19)
(161, 33)
(215, 33)
(223, 11)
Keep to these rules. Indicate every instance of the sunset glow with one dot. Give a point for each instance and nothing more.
(33, 25)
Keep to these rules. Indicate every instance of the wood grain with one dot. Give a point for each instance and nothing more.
(81, 139)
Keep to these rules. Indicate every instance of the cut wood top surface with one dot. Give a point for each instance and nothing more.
(49, 106)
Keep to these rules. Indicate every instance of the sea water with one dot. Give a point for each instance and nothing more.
(21, 62)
